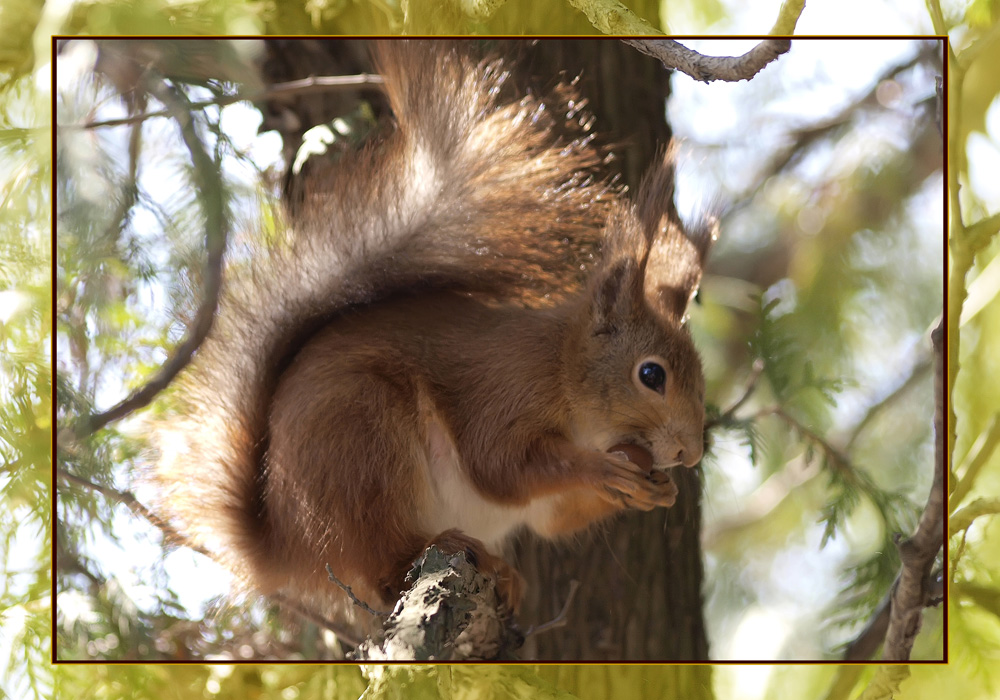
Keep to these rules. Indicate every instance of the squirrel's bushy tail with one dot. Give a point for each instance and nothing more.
(474, 190)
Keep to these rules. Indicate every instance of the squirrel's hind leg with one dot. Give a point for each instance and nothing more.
(347, 477)
(341, 486)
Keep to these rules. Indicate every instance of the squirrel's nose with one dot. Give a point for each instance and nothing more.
(690, 450)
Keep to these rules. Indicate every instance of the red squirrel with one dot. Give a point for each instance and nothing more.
(421, 360)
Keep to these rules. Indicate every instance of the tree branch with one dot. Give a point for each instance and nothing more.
(937, 17)
(708, 68)
(917, 553)
(450, 613)
(292, 88)
(837, 458)
(961, 256)
(612, 17)
(864, 646)
(788, 17)
(898, 618)
(763, 501)
(800, 139)
(867, 643)
(481, 10)
(340, 631)
(208, 180)
(560, 619)
(350, 594)
(982, 232)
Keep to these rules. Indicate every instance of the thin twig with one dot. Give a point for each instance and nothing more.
(981, 233)
(788, 17)
(937, 17)
(764, 500)
(916, 375)
(350, 594)
(962, 257)
(979, 455)
(755, 373)
(130, 187)
(939, 104)
(342, 633)
(175, 538)
(560, 619)
(864, 646)
(129, 500)
(612, 17)
(963, 519)
(836, 456)
(798, 140)
(68, 561)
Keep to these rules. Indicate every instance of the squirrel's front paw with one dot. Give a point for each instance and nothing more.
(630, 485)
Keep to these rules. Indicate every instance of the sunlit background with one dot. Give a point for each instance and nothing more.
(773, 588)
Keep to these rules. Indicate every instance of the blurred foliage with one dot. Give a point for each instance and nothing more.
(226, 682)
(974, 612)
(25, 389)
(827, 280)
(974, 566)
(123, 297)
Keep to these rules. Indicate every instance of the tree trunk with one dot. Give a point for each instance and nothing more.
(641, 574)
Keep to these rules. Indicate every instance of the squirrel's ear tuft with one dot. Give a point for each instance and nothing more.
(674, 268)
(654, 204)
(648, 258)
(676, 258)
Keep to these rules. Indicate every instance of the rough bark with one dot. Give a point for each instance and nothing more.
(450, 613)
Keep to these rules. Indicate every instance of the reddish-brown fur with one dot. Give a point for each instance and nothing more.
(421, 364)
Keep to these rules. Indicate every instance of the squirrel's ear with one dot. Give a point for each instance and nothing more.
(674, 268)
(675, 259)
(617, 291)
(647, 257)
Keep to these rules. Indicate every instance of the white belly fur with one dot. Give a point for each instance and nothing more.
(454, 501)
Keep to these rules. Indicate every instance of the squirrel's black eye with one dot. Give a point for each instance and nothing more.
(653, 376)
